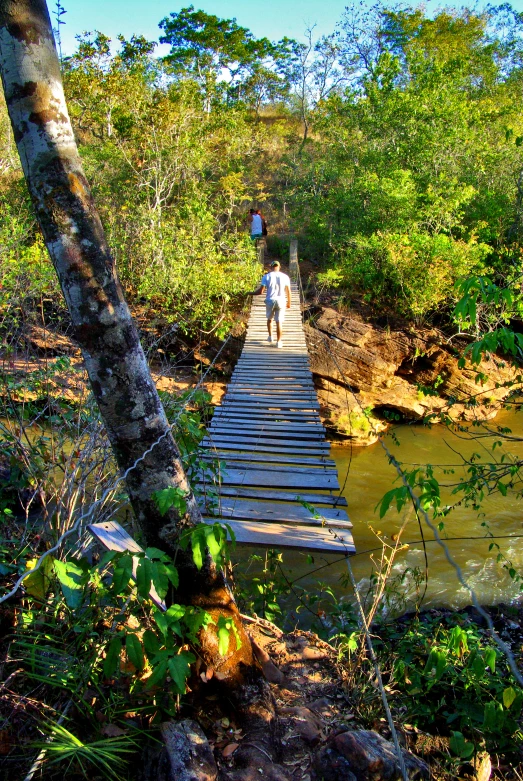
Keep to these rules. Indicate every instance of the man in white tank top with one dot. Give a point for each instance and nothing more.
(277, 299)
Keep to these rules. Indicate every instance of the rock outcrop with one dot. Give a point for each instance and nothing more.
(359, 368)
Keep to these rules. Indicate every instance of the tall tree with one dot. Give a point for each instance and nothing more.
(205, 45)
(118, 372)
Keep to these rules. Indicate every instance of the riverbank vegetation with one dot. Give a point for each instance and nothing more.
(393, 151)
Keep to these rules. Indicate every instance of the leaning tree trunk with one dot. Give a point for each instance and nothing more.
(118, 372)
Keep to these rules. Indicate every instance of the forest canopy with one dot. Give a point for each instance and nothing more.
(392, 148)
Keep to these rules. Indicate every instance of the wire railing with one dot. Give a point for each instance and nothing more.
(423, 514)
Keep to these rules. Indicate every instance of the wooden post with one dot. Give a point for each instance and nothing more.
(261, 250)
(293, 260)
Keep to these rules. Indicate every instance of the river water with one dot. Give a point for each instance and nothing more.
(369, 475)
(366, 475)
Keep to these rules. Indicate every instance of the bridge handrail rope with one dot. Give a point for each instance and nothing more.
(504, 648)
(362, 617)
(77, 526)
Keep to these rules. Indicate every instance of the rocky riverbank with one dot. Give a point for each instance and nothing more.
(367, 375)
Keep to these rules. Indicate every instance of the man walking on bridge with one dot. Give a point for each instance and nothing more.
(277, 298)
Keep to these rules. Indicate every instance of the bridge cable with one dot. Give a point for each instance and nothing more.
(417, 505)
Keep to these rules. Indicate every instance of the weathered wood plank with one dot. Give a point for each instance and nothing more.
(311, 468)
(262, 432)
(278, 394)
(287, 536)
(271, 512)
(230, 411)
(283, 496)
(235, 425)
(271, 450)
(271, 402)
(264, 458)
(262, 479)
(246, 440)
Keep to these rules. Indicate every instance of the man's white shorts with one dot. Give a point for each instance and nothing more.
(275, 309)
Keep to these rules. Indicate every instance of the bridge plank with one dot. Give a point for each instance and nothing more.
(263, 458)
(259, 432)
(271, 512)
(283, 496)
(270, 450)
(246, 440)
(272, 535)
(263, 479)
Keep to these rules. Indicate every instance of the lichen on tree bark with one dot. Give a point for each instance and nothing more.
(103, 326)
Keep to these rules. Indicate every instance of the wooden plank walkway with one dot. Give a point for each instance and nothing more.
(275, 484)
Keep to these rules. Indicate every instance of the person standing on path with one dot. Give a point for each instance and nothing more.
(256, 223)
(277, 299)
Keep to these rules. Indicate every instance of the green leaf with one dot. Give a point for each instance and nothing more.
(37, 584)
(72, 579)
(151, 643)
(460, 747)
(197, 549)
(175, 613)
(225, 627)
(122, 573)
(158, 675)
(155, 553)
(195, 619)
(144, 575)
(179, 669)
(112, 657)
(172, 574)
(436, 665)
(490, 659)
(159, 578)
(171, 497)
(493, 716)
(162, 622)
(134, 650)
(509, 695)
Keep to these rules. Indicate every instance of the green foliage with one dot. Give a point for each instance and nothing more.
(410, 273)
(397, 200)
(453, 675)
(108, 756)
(206, 537)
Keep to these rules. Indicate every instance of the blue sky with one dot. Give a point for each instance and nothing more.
(270, 18)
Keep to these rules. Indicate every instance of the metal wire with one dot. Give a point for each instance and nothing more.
(415, 500)
(368, 638)
(89, 513)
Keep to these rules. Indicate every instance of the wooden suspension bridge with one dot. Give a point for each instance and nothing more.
(275, 484)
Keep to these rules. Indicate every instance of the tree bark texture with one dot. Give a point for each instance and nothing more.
(114, 358)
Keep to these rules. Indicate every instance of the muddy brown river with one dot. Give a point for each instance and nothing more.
(366, 475)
